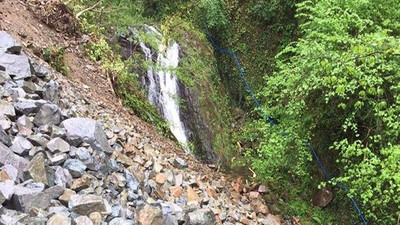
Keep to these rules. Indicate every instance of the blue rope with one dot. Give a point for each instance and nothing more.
(271, 122)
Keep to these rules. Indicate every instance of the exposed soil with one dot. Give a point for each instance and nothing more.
(34, 32)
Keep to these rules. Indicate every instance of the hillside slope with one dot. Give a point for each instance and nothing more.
(138, 177)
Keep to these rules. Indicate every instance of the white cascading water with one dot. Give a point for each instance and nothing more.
(162, 86)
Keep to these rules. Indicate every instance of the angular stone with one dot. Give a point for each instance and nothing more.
(5, 123)
(51, 92)
(24, 125)
(38, 139)
(17, 66)
(66, 196)
(122, 221)
(25, 198)
(8, 172)
(41, 70)
(9, 157)
(35, 221)
(49, 114)
(212, 193)
(59, 209)
(27, 107)
(271, 220)
(58, 145)
(7, 109)
(62, 176)
(7, 189)
(21, 146)
(262, 189)
(75, 167)
(176, 191)
(37, 168)
(88, 131)
(149, 215)
(254, 195)
(9, 44)
(55, 191)
(4, 138)
(83, 220)
(201, 217)
(118, 179)
(83, 154)
(191, 195)
(122, 158)
(28, 86)
(81, 183)
(9, 216)
(96, 218)
(58, 159)
(180, 163)
(86, 204)
(59, 219)
(178, 179)
(160, 178)
(4, 77)
(132, 182)
(58, 132)
(259, 207)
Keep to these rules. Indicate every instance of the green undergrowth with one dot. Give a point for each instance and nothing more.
(101, 25)
(55, 57)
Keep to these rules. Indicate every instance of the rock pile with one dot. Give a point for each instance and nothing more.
(57, 167)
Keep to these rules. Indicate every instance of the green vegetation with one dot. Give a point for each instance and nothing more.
(327, 71)
(55, 57)
(338, 88)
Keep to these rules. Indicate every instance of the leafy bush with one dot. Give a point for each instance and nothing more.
(339, 87)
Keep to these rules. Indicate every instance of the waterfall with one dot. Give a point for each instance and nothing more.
(162, 84)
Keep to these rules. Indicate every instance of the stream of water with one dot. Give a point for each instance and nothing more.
(162, 84)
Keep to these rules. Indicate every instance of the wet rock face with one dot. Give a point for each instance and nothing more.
(194, 108)
(60, 169)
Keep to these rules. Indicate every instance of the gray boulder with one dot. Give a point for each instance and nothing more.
(4, 77)
(7, 109)
(62, 176)
(51, 92)
(4, 138)
(121, 221)
(17, 66)
(88, 131)
(86, 204)
(25, 198)
(26, 107)
(9, 157)
(58, 145)
(21, 145)
(9, 44)
(12, 172)
(41, 70)
(200, 217)
(37, 168)
(75, 167)
(49, 114)
(59, 219)
(7, 189)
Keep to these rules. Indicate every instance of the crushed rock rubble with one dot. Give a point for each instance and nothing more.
(60, 166)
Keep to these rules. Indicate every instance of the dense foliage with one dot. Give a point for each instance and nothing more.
(338, 87)
(327, 71)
